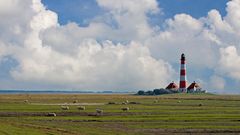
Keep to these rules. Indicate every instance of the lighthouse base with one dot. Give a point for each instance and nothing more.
(182, 90)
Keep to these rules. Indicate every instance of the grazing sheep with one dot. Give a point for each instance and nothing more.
(52, 114)
(124, 103)
(26, 101)
(179, 102)
(155, 101)
(125, 109)
(65, 107)
(99, 111)
(81, 108)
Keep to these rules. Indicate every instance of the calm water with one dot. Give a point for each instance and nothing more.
(59, 92)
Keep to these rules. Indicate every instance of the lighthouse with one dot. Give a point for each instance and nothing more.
(183, 77)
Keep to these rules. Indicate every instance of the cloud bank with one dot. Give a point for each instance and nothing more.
(118, 50)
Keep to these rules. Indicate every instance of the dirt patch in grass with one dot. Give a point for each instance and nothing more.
(46, 129)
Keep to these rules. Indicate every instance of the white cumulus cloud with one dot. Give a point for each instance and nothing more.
(69, 56)
(230, 62)
(217, 83)
(118, 49)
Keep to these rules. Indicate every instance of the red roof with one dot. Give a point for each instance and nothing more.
(193, 85)
(172, 86)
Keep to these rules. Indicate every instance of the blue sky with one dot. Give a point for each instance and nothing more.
(81, 11)
(74, 10)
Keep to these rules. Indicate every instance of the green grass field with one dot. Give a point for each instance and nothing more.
(166, 114)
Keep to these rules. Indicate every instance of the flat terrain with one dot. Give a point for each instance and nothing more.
(168, 114)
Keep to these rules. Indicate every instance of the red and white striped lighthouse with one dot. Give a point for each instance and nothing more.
(183, 77)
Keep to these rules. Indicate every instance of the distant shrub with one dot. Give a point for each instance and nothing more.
(75, 101)
(150, 92)
(134, 102)
(157, 92)
(141, 92)
(112, 103)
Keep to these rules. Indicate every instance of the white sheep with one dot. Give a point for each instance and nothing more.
(26, 101)
(52, 114)
(125, 109)
(124, 103)
(65, 107)
(81, 108)
(99, 111)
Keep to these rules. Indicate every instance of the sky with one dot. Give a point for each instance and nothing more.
(122, 45)
(81, 11)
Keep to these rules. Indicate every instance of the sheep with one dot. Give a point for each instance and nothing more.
(155, 101)
(99, 111)
(179, 101)
(26, 101)
(124, 103)
(65, 107)
(81, 108)
(125, 109)
(52, 114)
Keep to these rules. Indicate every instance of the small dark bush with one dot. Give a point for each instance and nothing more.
(134, 103)
(141, 92)
(112, 103)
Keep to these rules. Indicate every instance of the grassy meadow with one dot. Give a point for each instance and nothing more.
(167, 114)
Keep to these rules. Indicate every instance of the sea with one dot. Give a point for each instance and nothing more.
(61, 92)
